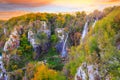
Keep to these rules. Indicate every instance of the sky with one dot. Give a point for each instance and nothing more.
(12, 8)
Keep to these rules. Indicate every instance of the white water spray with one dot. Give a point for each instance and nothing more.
(64, 53)
(94, 23)
(85, 30)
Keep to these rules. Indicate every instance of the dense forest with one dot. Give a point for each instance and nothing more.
(49, 46)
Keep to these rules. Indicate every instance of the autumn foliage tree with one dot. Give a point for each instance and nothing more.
(44, 73)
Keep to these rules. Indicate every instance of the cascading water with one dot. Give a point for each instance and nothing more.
(85, 30)
(64, 52)
(5, 31)
(44, 25)
(92, 70)
(94, 23)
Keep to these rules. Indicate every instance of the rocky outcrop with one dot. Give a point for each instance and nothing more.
(75, 38)
(61, 45)
(60, 33)
(46, 47)
(87, 72)
(3, 75)
(38, 48)
(13, 41)
(31, 38)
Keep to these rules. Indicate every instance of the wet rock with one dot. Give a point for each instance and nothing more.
(38, 50)
(46, 46)
(60, 33)
(118, 45)
(59, 46)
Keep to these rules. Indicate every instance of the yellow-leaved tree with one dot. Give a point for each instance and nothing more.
(44, 73)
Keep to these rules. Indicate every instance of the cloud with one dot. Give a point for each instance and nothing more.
(26, 2)
(24, 5)
(110, 1)
(113, 0)
(11, 8)
(5, 15)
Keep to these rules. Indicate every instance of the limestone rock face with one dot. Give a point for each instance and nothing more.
(38, 48)
(87, 72)
(13, 41)
(60, 33)
(31, 38)
(59, 46)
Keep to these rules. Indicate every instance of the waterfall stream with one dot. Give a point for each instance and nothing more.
(5, 31)
(92, 70)
(64, 52)
(94, 23)
(85, 30)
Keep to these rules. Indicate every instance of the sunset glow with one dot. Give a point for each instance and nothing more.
(26, 6)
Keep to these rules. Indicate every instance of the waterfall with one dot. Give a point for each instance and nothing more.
(64, 52)
(5, 31)
(85, 30)
(94, 23)
(3, 74)
(92, 70)
(44, 25)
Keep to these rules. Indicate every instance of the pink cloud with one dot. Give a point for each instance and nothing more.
(27, 2)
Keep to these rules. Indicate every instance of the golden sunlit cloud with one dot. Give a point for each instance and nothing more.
(72, 3)
(79, 3)
(111, 0)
